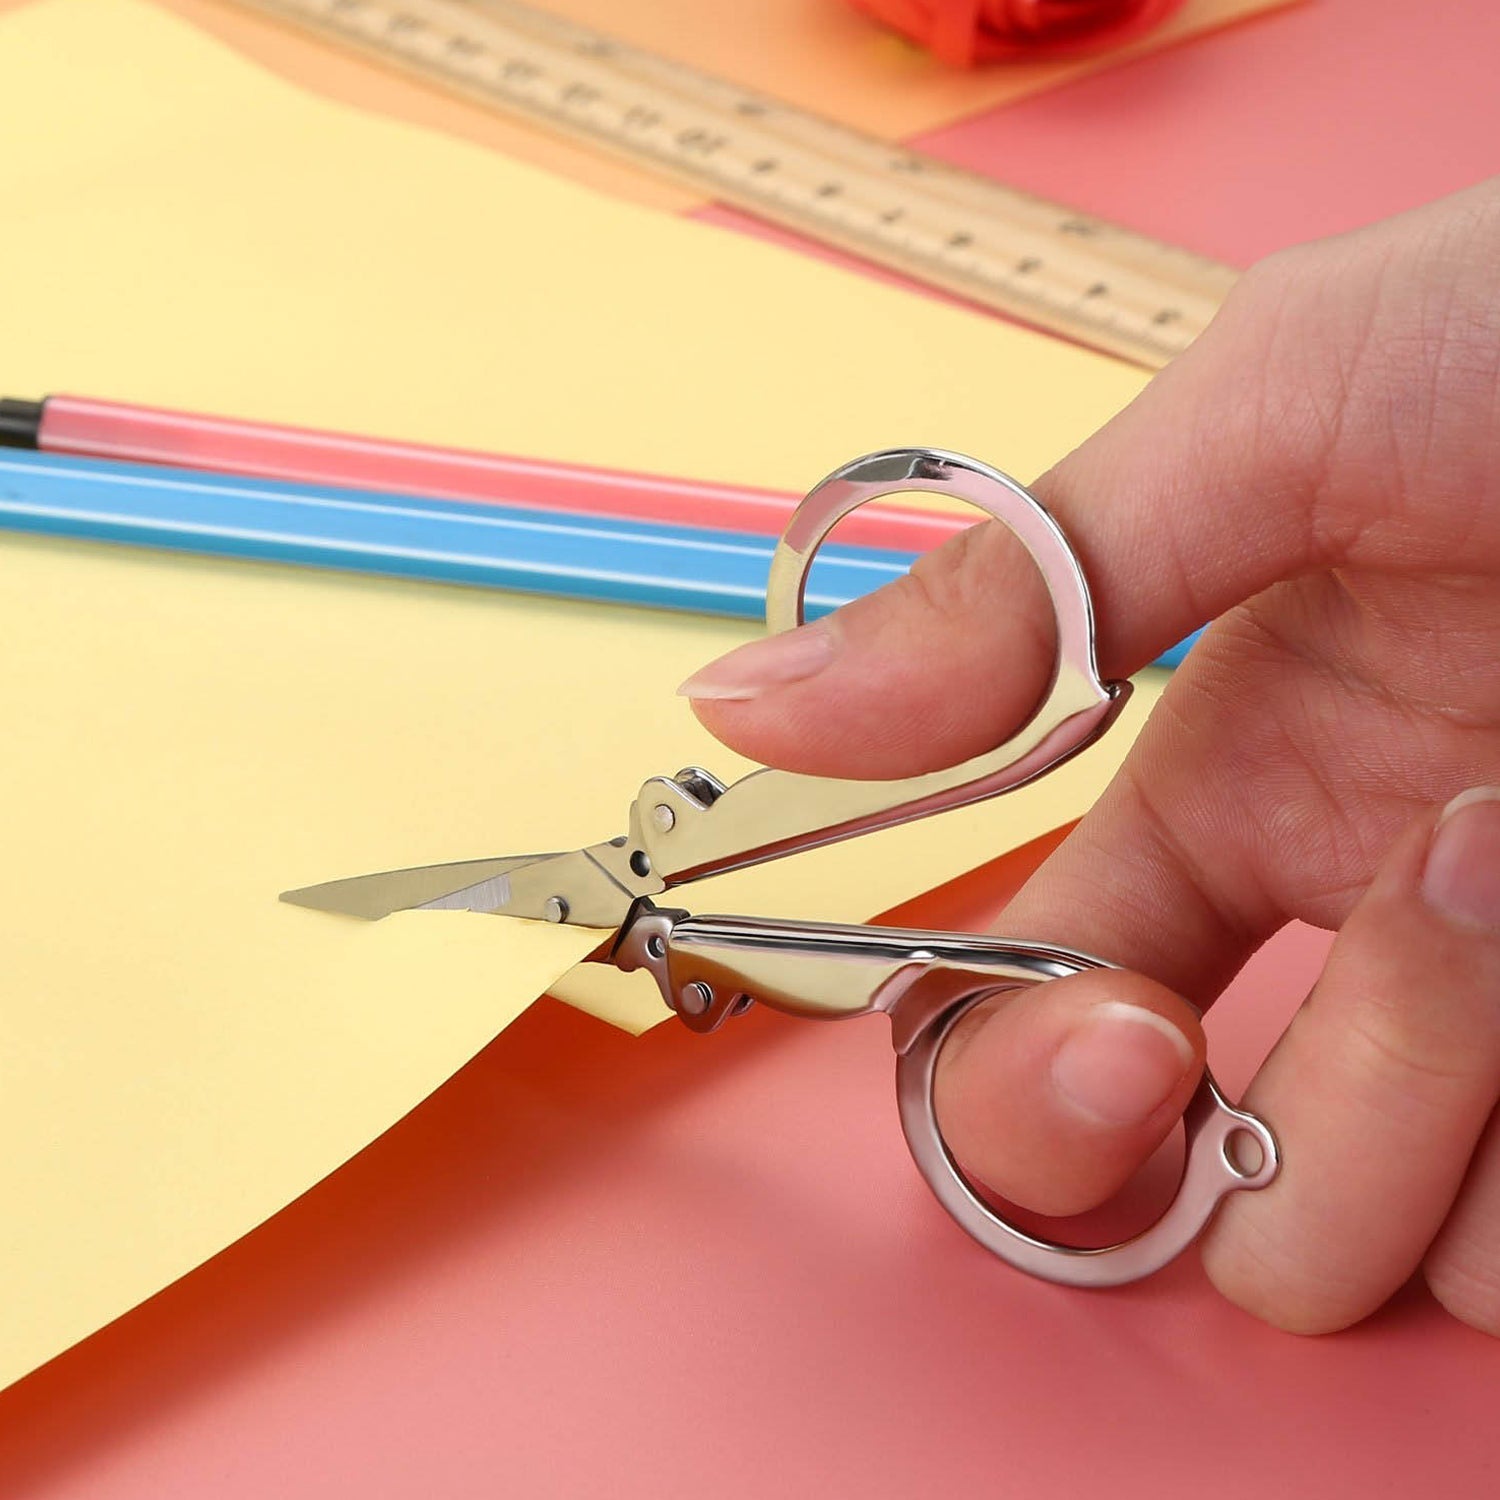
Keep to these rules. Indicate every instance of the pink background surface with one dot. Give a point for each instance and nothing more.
(690, 1267)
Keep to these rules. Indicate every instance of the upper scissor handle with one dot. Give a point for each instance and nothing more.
(770, 813)
(898, 470)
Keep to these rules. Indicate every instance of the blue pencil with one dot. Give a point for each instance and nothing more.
(528, 551)
(571, 556)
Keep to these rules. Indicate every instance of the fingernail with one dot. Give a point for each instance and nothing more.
(1121, 1065)
(1462, 878)
(750, 670)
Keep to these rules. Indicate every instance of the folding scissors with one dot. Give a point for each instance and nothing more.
(709, 968)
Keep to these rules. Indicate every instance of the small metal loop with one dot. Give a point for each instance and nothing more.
(1210, 1172)
(937, 472)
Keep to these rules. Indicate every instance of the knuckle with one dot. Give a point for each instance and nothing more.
(961, 569)
(1421, 1061)
(1276, 294)
(982, 578)
(1273, 278)
(1395, 320)
(1466, 1282)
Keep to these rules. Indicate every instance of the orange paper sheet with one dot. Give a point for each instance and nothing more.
(819, 54)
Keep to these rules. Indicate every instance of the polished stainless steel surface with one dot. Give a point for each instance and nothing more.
(591, 887)
(771, 813)
(709, 969)
(433, 886)
(1212, 1131)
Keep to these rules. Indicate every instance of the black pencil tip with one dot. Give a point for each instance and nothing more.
(20, 423)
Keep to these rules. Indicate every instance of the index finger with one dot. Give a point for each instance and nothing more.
(1268, 450)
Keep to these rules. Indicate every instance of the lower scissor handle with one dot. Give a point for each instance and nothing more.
(708, 968)
(1221, 1142)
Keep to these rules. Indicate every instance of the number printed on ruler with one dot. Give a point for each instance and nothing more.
(1063, 271)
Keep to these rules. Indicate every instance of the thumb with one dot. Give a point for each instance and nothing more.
(1055, 1094)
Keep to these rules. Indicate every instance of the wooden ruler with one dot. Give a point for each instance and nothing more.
(1045, 264)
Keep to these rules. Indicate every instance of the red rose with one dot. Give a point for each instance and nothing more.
(966, 32)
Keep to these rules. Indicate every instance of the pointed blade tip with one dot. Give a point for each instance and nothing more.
(317, 898)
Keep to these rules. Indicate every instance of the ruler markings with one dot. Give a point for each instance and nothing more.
(870, 154)
(1048, 265)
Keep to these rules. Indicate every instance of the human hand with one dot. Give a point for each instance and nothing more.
(1320, 475)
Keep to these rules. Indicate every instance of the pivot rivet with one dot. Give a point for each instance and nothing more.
(695, 998)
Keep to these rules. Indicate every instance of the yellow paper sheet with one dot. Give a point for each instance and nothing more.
(182, 738)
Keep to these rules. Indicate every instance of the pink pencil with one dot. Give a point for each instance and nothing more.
(138, 434)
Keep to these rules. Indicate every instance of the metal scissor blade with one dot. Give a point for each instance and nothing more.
(454, 886)
(574, 888)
